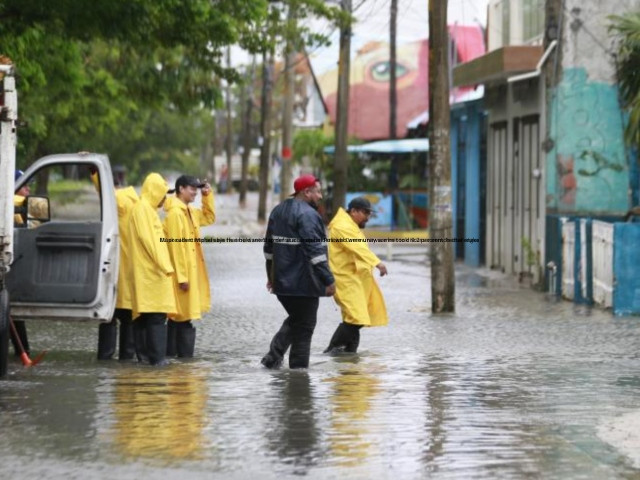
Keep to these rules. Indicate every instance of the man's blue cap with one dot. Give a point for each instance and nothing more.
(19, 173)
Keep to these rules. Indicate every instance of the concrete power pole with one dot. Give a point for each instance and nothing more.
(440, 201)
(341, 160)
(287, 118)
(393, 92)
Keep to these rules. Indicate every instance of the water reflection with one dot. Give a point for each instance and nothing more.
(352, 395)
(437, 393)
(295, 436)
(39, 402)
(161, 414)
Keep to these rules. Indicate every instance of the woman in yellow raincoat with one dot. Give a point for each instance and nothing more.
(152, 289)
(352, 264)
(190, 279)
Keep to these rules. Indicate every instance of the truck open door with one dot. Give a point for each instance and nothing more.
(65, 259)
(8, 140)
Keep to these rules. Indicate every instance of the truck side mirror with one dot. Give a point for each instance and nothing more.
(37, 210)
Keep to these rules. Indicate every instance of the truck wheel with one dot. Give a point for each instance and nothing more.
(4, 331)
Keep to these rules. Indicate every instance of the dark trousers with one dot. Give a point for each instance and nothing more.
(108, 334)
(150, 334)
(346, 338)
(181, 339)
(296, 331)
(21, 328)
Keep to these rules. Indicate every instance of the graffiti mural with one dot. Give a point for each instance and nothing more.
(589, 156)
(369, 82)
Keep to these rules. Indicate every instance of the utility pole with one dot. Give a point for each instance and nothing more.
(228, 143)
(393, 92)
(440, 215)
(247, 102)
(265, 131)
(287, 117)
(341, 160)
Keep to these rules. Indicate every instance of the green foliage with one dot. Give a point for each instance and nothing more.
(85, 67)
(136, 79)
(311, 144)
(627, 29)
(530, 255)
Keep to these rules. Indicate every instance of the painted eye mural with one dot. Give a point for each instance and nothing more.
(381, 71)
(369, 83)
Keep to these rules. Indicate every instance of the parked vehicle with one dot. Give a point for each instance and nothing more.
(60, 261)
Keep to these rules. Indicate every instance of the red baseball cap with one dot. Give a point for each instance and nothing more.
(304, 181)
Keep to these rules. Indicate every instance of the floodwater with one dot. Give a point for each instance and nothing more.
(514, 385)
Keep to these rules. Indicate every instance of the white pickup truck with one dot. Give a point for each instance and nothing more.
(59, 250)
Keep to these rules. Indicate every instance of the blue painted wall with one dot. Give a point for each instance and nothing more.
(587, 169)
(626, 264)
(466, 131)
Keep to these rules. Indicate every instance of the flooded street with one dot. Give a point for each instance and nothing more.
(514, 385)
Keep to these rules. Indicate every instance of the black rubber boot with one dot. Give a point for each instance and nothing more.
(278, 348)
(172, 328)
(140, 339)
(340, 339)
(185, 339)
(127, 347)
(107, 339)
(156, 338)
(21, 328)
(352, 346)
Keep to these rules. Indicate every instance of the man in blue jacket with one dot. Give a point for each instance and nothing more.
(297, 270)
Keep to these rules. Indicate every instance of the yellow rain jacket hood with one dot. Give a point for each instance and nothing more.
(352, 264)
(126, 198)
(182, 227)
(151, 269)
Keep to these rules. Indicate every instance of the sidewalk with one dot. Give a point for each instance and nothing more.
(235, 222)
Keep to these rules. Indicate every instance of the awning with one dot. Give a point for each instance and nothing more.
(406, 145)
(497, 65)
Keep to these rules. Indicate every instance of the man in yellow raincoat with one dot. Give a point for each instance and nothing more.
(126, 198)
(190, 279)
(152, 286)
(352, 264)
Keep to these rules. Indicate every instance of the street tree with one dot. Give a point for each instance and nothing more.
(627, 29)
(158, 55)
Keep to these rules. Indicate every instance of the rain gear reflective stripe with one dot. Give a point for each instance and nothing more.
(352, 264)
(152, 287)
(187, 258)
(126, 198)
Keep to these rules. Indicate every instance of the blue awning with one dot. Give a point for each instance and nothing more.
(407, 145)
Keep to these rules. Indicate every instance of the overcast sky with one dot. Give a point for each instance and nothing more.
(373, 25)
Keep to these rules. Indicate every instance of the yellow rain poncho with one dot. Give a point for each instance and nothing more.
(126, 198)
(183, 222)
(151, 269)
(352, 264)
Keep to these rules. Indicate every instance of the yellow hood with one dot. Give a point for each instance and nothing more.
(154, 189)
